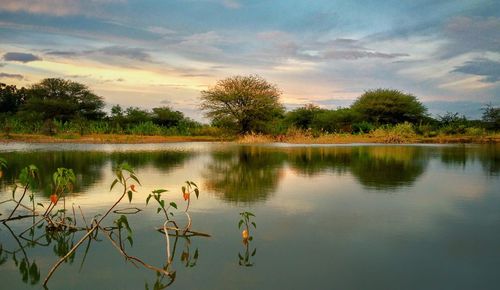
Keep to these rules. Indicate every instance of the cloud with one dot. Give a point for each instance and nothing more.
(21, 57)
(232, 4)
(489, 69)
(62, 53)
(357, 54)
(55, 7)
(123, 51)
(466, 34)
(11, 76)
(133, 53)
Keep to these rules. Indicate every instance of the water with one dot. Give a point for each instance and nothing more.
(328, 217)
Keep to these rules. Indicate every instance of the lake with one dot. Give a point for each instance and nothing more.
(327, 217)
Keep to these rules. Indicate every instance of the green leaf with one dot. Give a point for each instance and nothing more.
(158, 210)
(130, 240)
(197, 192)
(254, 225)
(162, 203)
(41, 205)
(113, 184)
(129, 193)
(240, 223)
(135, 178)
(147, 199)
(183, 189)
(159, 191)
(173, 204)
(254, 252)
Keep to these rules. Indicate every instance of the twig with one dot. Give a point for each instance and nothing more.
(19, 202)
(146, 265)
(89, 232)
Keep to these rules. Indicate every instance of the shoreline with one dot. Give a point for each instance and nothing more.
(255, 139)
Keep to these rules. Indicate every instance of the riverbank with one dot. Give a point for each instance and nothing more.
(104, 139)
(253, 138)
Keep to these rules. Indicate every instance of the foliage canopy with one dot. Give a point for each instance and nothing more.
(386, 106)
(243, 103)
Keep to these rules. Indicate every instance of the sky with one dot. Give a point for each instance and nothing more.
(147, 53)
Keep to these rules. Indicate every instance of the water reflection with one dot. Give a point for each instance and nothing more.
(246, 174)
(87, 165)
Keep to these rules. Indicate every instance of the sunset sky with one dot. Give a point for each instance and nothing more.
(154, 53)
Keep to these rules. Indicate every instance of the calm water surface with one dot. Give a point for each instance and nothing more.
(328, 217)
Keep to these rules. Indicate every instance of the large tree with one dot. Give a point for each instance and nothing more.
(245, 103)
(385, 106)
(55, 98)
(11, 98)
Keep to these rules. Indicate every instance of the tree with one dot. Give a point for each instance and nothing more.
(55, 98)
(11, 98)
(491, 117)
(244, 103)
(303, 117)
(165, 116)
(385, 106)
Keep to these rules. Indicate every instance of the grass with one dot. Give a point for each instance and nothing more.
(103, 138)
(389, 136)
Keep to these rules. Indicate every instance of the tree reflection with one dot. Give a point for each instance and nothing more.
(375, 167)
(388, 168)
(246, 174)
(87, 165)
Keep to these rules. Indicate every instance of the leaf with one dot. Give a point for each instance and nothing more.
(173, 204)
(130, 240)
(129, 193)
(162, 203)
(240, 223)
(113, 184)
(195, 254)
(135, 178)
(197, 192)
(39, 204)
(147, 199)
(254, 225)
(158, 210)
(159, 191)
(254, 252)
(194, 184)
(183, 189)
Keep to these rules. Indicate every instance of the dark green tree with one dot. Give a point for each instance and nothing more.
(134, 115)
(303, 117)
(491, 117)
(11, 98)
(244, 103)
(385, 106)
(165, 116)
(55, 98)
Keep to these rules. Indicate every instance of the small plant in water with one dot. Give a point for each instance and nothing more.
(244, 259)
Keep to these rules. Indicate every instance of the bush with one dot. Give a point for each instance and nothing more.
(474, 131)
(145, 128)
(400, 133)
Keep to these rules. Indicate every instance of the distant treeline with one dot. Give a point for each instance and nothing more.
(236, 105)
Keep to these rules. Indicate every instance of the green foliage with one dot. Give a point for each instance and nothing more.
(491, 117)
(385, 106)
(122, 222)
(400, 133)
(452, 123)
(242, 103)
(302, 118)
(165, 116)
(61, 99)
(11, 98)
(64, 180)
